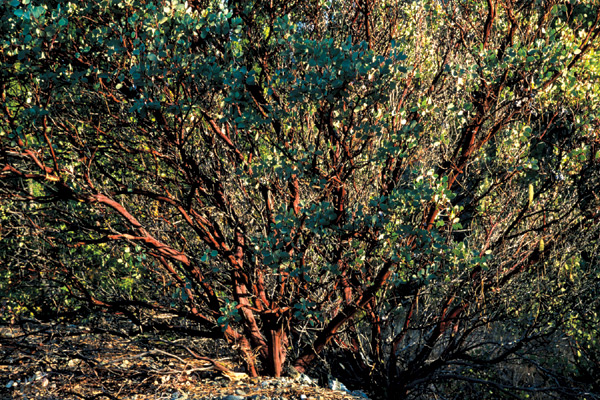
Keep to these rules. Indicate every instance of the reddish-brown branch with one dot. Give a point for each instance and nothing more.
(294, 194)
(49, 143)
(585, 46)
(311, 352)
(244, 346)
(224, 137)
(489, 22)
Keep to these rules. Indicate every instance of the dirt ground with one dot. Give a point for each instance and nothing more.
(62, 361)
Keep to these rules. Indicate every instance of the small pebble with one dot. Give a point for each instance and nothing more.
(232, 397)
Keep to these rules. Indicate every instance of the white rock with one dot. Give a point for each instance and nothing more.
(334, 384)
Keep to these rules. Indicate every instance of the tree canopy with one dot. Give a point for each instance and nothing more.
(405, 188)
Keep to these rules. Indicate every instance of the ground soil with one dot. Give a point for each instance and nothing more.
(65, 361)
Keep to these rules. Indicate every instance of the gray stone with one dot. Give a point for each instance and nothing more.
(306, 380)
(359, 393)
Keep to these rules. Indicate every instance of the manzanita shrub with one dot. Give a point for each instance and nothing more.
(405, 188)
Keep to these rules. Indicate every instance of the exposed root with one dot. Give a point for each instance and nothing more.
(217, 366)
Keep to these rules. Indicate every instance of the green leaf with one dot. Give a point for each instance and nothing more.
(38, 11)
(63, 21)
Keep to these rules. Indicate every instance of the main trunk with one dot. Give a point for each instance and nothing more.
(275, 343)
